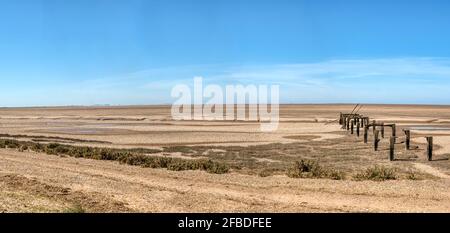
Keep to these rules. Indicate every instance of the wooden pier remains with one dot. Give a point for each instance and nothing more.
(357, 122)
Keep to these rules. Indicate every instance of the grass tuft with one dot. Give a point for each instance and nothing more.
(377, 173)
(75, 209)
(312, 169)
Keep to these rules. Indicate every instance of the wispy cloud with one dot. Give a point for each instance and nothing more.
(348, 69)
(390, 80)
(402, 80)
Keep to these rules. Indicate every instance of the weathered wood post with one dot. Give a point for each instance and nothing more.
(340, 118)
(430, 148)
(375, 140)
(408, 138)
(362, 122)
(358, 125)
(374, 126)
(394, 130)
(367, 120)
(344, 122)
(366, 129)
(352, 126)
(348, 123)
(391, 149)
(382, 129)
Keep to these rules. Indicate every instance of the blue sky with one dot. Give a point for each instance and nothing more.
(86, 52)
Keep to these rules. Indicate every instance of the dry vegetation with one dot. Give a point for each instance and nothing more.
(35, 196)
(296, 160)
(146, 162)
(341, 158)
(135, 157)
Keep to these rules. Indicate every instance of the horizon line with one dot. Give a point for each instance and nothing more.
(165, 104)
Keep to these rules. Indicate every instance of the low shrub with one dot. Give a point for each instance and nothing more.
(135, 157)
(75, 209)
(265, 173)
(336, 175)
(312, 169)
(214, 167)
(305, 169)
(377, 173)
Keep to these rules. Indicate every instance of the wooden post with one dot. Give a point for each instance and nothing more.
(375, 140)
(366, 129)
(374, 127)
(430, 148)
(348, 123)
(352, 126)
(358, 125)
(382, 129)
(391, 149)
(344, 122)
(393, 130)
(340, 118)
(362, 122)
(367, 120)
(408, 139)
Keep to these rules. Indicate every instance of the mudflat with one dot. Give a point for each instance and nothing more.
(352, 178)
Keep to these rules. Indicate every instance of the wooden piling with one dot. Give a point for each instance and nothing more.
(374, 126)
(352, 123)
(408, 139)
(340, 118)
(394, 130)
(366, 129)
(348, 123)
(382, 129)
(391, 148)
(358, 125)
(375, 140)
(430, 148)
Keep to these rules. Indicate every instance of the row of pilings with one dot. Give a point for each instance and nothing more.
(354, 123)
